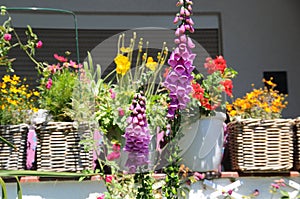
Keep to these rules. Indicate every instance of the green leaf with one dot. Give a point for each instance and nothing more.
(284, 193)
(174, 191)
(42, 173)
(3, 187)
(7, 142)
(19, 188)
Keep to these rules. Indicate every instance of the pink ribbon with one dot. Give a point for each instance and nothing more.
(31, 148)
(96, 152)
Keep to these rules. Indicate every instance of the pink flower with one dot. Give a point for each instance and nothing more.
(60, 58)
(108, 178)
(112, 94)
(121, 111)
(39, 44)
(116, 147)
(53, 68)
(7, 37)
(49, 83)
(102, 196)
(199, 176)
(74, 65)
(276, 186)
(113, 155)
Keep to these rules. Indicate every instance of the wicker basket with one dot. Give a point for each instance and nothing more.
(10, 158)
(59, 148)
(261, 145)
(297, 144)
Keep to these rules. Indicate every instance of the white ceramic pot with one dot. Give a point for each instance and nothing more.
(202, 143)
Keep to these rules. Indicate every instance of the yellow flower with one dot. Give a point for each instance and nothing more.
(151, 64)
(267, 109)
(232, 113)
(16, 78)
(13, 82)
(35, 109)
(2, 85)
(229, 107)
(36, 93)
(13, 89)
(28, 95)
(270, 83)
(123, 64)
(13, 102)
(4, 91)
(6, 78)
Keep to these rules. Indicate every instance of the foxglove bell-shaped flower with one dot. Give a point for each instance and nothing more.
(178, 81)
(137, 134)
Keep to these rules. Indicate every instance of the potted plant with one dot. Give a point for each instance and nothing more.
(259, 138)
(18, 102)
(206, 129)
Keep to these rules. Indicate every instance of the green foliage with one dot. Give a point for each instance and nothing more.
(3, 189)
(29, 46)
(144, 185)
(57, 99)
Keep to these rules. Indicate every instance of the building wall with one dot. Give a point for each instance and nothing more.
(257, 35)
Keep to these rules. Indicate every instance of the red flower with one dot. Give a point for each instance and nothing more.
(220, 64)
(108, 178)
(227, 86)
(116, 147)
(198, 91)
(213, 65)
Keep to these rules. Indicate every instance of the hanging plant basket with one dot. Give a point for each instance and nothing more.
(261, 145)
(13, 158)
(59, 148)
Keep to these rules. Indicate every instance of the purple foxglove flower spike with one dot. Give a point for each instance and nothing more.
(137, 135)
(178, 80)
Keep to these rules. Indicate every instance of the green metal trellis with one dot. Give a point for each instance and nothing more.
(53, 10)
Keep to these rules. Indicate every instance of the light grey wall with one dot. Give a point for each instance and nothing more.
(257, 35)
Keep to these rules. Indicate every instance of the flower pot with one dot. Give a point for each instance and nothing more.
(10, 158)
(202, 143)
(261, 145)
(59, 147)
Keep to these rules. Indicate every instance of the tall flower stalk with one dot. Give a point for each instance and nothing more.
(137, 134)
(178, 80)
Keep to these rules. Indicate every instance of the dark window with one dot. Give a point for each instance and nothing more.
(279, 78)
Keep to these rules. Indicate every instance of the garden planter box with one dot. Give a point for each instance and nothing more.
(59, 148)
(10, 158)
(261, 145)
(297, 144)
